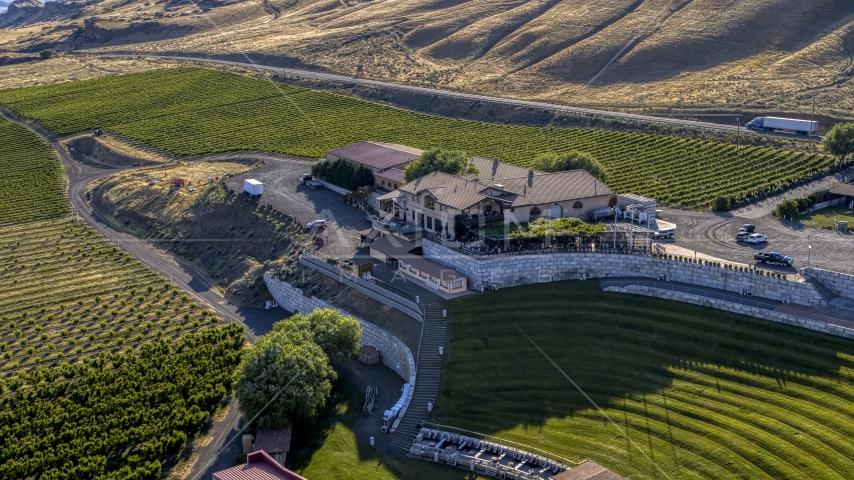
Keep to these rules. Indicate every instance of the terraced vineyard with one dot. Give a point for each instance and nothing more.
(31, 180)
(191, 111)
(689, 392)
(65, 291)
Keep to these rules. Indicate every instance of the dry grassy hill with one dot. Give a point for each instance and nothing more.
(751, 55)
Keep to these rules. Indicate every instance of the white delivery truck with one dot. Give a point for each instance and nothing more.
(253, 187)
(788, 124)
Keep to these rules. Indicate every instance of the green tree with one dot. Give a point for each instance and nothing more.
(839, 141)
(574, 160)
(338, 335)
(787, 209)
(286, 370)
(722, 204)
(47, 53)
(452, 162)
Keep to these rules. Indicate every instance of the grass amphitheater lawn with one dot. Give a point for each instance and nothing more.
(31, 185)
(701, 393)
(329, 449)
(189, 111)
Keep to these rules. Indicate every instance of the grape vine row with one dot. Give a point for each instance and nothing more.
(192, 111)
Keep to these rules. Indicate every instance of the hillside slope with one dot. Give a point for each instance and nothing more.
(714, 54)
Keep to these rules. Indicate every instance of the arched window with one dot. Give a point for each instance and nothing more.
(535, 211)
(578, 204)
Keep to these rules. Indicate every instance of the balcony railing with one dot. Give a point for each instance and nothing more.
(481, 220)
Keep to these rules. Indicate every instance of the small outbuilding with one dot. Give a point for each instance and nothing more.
(277, 443)
(259, 466)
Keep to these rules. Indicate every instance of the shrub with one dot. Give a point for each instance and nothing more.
(722, 204)
(787, 209)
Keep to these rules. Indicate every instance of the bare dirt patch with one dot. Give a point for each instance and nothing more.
(230, 240)
(111, 151)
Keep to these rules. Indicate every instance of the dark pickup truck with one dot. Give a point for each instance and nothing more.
(774, 257)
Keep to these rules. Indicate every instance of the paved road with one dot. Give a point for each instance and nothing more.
(469, 96)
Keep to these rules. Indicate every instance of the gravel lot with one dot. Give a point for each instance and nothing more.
(713, 233)
(280, 177)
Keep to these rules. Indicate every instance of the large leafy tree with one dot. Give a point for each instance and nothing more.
(288, 373)
(439, 160)
(839, 141)
(574, 160)
(283, 376)
(337, 334)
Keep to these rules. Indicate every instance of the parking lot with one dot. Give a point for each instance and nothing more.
(282, 190)
(713, 234)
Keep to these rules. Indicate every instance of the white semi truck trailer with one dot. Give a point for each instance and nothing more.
(787, 124)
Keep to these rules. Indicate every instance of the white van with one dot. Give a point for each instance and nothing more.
(664, 233)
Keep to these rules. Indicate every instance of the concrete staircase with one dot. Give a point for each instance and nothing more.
(429, 372)
(827, 292)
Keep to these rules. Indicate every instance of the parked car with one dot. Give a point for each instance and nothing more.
(316, 224)
(774, 257)
(664, 233)
(306, 177)
(748, 227)
(742, 235)
(757, 238)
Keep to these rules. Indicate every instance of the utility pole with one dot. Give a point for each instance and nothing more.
(812, 115)
(615, 227)
(738, 133)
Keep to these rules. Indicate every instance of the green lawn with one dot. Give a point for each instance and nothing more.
(825, 217)
(329, 449)
(700, 393)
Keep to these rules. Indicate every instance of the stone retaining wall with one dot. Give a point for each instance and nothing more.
(548, 267)
(395, 353)
(771, 315)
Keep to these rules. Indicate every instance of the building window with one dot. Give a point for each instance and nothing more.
(395, 186)
(512, 209)
(430, 222)
(577, 204)
(438, 225)
(383, 182)
(536, 211)
(430, 202)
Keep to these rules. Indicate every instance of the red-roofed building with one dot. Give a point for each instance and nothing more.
(386, 160)
(259, 466)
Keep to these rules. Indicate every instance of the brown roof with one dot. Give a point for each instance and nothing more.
(542, 188)
(449, 190)
(379, 156)
(274, 441)
(843, 189)
(495, 170)
(405, 148)
(587, 470)
(392, 246)
(435, 270)
(393, 174)
(535, 188)
(259, 466)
